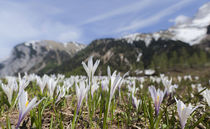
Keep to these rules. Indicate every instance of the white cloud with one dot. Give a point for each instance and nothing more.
(18, 22)
(181, 19)
(141, 23)
(137, 6)
(67, 35)
(28, 21)
(4, 52)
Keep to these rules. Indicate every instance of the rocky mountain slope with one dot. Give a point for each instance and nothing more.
(120, 55)
(184, 45)
(34, 56)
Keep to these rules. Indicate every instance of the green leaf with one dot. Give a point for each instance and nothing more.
(199, 121)
(8, 123)
(157, 121)
(51, 123)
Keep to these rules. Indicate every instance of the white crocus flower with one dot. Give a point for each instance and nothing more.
(196, 78)
(193, 86)
(42, 82)
(169, 88)
(157, 97)
(116, 81)
(90, 68)
(184, 112)
(135, 102)
(10, 88)
(51, 84)
(81, 92)
(179, 78)
(141, 86)
(109, 72)
(105, 85)
(133, 89)
(25, 106)
(68, 83)
(200, 88)
(23, 83)
(61, 92)
(206, 95)
(95, 86)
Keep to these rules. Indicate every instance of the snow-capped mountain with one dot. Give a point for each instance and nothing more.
(34, 56)
(188, 30)
(178, 46)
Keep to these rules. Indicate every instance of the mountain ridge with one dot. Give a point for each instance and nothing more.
(34, 56)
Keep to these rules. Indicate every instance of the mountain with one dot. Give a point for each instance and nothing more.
(205, 43)
(185, 45)
(119, 54)
(34, 56)
(188, 30)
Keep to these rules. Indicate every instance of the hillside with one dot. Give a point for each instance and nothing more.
(34, 56)
(161, 55)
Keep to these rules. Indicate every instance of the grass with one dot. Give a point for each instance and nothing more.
(122, 112)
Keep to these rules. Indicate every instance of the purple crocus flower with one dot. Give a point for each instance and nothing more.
(169, 88)
(157, 97)
(184, 112)
(81, 92)
(90, 68)
(25, 106)
(135, 102)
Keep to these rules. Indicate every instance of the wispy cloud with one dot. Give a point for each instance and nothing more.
(19, 24)
(133, 7)
(141, 23)
(181, 19)
(29, 21)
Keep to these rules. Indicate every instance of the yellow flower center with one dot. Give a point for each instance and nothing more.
(158, 98)
(26, 103)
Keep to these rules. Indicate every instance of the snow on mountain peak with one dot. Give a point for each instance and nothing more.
(32, 43)
(147, 38)
(138, 37)
(189, 30)
(193, 30)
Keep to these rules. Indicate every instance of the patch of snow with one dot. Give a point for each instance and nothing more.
(149, 72)
(76, 44)
(190, 35)
(132, 37)
(65, 44)
(156, 36)
(138, 57)
(147, 40)
(138, 72)
(193, 30)
(202, 22)
(31, 43)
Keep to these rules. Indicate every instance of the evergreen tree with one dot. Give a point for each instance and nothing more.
(203, 58)
(173, 60)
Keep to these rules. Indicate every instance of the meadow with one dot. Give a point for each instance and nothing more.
(112, 101)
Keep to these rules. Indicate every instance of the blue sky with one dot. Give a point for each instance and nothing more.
(85, 20)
